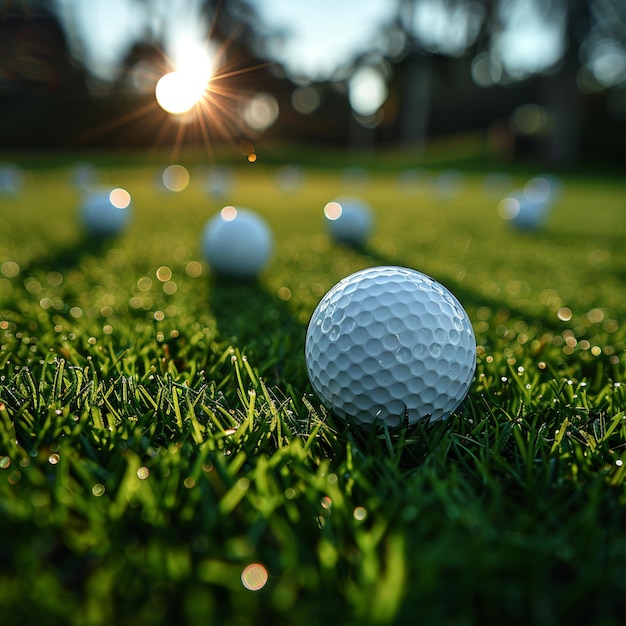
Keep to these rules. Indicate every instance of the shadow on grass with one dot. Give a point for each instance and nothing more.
(470, 298)
(68, 257)
(261, 326)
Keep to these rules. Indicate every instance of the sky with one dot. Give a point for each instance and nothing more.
(324, 34)
(318, 37)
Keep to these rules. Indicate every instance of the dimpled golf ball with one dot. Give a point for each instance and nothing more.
(105, 212)
(349, 221)
(237, 243)
(390, 344)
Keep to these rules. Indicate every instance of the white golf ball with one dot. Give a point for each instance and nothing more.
(391, 344)
(349, 220)
(237, 243)
(106, 212)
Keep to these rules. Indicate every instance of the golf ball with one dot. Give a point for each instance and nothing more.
(391, 344)
(11, 180)
(522, 212)
(349, 221)
(237, 243)
(105, 212)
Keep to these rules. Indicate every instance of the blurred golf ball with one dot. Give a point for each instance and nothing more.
(105, 212)
(524, 210)
(290, 178)
(545, 187)
(349, 220)
(237, 243)
(219, 181)
(391, 344)
(449, 183)
(11, 180)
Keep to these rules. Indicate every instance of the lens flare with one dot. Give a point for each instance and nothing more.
(179, 92)
(176, 177)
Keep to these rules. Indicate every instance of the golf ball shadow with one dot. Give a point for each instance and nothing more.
(261, 325)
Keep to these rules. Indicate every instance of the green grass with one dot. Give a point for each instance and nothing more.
(158, 433)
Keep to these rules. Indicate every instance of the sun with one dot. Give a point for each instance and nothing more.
(193, 85)
(178, 92)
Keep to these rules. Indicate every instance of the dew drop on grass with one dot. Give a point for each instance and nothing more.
(564, 314)
(164, 273)
(98, 490)
(254, 577)
(5, 461)
(359, 513)
(143, 473)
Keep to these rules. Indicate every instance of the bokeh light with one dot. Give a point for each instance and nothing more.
(176, 177)
(120, 198)
(367, 91)
(305, 100)
(509, 208)
(333, 210)
(229, 213)
(261, 112)
(254, 577)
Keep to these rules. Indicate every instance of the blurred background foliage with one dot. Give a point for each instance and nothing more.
(537, 79)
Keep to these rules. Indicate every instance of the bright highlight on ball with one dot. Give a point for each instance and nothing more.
(105, 212)
(391, 345)
(179, 92)
(349, 221)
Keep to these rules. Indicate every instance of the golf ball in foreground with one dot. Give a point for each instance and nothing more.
(237, 243)
(105, 212)
(390, 344)
(349, 221)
